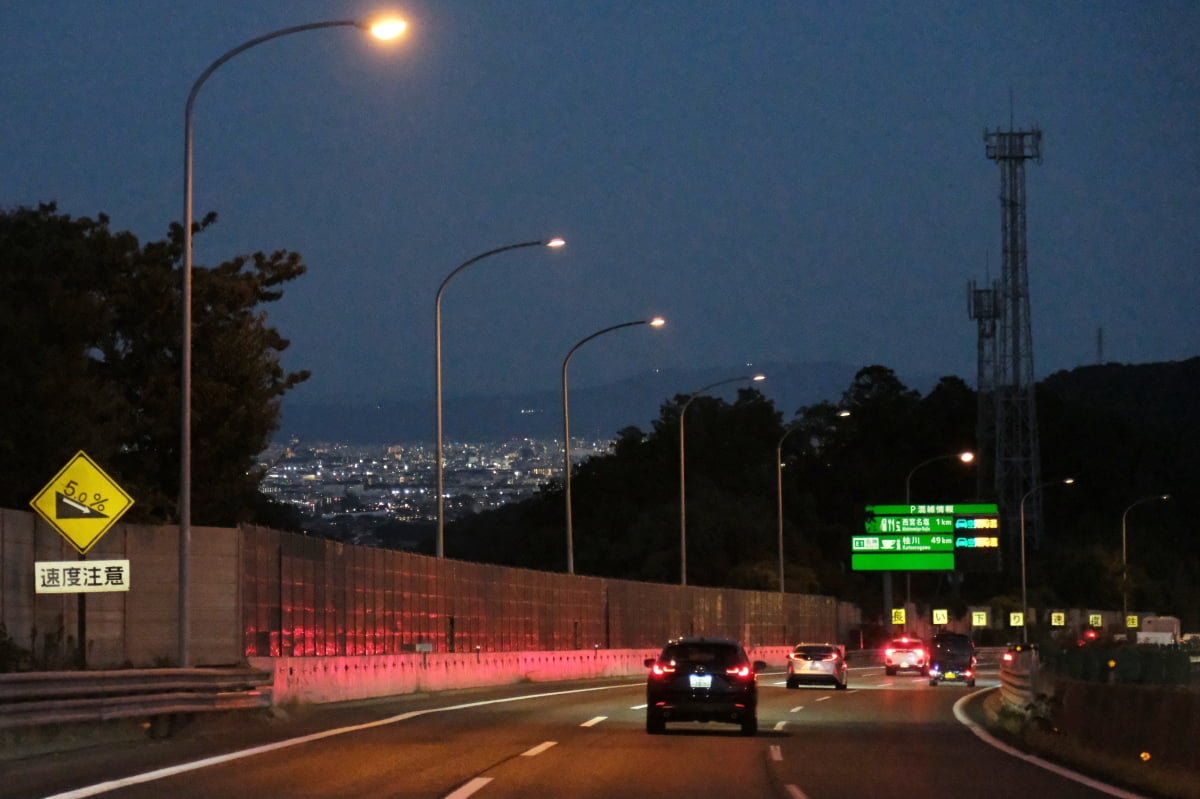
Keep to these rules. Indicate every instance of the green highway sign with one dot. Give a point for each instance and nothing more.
(928, 537)
(905, 562)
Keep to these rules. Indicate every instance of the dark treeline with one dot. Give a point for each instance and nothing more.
(1123, 433)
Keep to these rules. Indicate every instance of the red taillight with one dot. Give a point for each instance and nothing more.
(831, 656)
(920, 653)
(738, 671)
(662, 669)
(1008, 657)
(889, 651)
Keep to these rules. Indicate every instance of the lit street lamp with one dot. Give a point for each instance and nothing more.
(437, 374)
(965, 457)
(657, 321)
(683, 473)
(384, 29)
(1124, 560)
(1024, 600)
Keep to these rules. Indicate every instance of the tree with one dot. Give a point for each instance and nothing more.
(90, 340)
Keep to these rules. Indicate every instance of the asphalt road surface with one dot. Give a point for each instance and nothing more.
(884, 737)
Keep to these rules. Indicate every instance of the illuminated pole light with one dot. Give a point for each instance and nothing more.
(553, 243)
(657, 321)
(683, 471)
(383, 29)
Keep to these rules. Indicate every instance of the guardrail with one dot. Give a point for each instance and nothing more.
(63, 697)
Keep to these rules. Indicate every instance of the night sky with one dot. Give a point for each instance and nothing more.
(782, 180)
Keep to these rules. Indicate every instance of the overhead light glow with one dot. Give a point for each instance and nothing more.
(657, 321)
(557, 242)
(387, 29)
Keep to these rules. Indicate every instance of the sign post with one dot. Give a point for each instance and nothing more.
(81, 502)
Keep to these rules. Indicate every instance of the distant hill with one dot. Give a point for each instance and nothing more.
(598, 411)
(1148, 391)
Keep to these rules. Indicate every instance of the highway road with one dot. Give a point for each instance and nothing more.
(884, 737)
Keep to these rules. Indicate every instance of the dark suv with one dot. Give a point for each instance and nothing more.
(702, 679)
(951, 658)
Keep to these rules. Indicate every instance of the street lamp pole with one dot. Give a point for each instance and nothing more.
(387, 29)
(1124, 559)
(965, 457)
(437, 373)
(683, 472)
(1024, 599)
(779, 494)
(657, 321)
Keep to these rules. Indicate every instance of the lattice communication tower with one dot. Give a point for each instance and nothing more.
(1007, 408)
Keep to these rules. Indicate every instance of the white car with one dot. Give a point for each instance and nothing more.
(905, 653)
(822, 664)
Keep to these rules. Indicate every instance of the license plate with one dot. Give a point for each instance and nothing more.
(810, 666)
(951, 675)
(700, 680)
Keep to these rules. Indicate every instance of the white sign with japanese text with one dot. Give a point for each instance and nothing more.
(80, 576)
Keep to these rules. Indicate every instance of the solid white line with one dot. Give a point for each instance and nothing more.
(795, 792)
(195, 765)
(637, 707)
(780, 725)
(776, 752)
(470, 788)
(1075, 776)
(537, 750)
(593, 722)
(822, 698)
(796, 709)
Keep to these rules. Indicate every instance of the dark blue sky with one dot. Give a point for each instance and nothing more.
(782, 180)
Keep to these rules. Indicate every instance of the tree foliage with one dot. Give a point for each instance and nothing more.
(90, 339)
(627, 511)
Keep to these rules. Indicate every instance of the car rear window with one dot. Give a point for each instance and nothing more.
(816, 651)
(714, 655)
(958, 646)
(905, 644)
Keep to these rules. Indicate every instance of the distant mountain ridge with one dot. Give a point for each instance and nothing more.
(598, 411)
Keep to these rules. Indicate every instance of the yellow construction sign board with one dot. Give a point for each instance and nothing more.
(81, 502)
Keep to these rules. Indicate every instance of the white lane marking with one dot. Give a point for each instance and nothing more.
(795, 793)
(776, 753)
(796, 709)
(983, 735)
(637, 707)
(470, 788)
(196, 765)
(780, 725)
(593, 722)
(537, 750)
(822, 698)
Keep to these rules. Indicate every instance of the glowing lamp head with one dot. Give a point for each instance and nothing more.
(657, 321)
(759, 378)
(387, 29)
(967, 457)
(556, 242)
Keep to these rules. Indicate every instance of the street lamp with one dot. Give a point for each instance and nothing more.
(437, 373)
(779, 488)
(683, 473)
(657, 321)
(965, 457)
(1124, 561)
(1024, 600)
(382, 29)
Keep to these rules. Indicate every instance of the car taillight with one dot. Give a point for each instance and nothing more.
(738, 671)
(831, 656)
(793, 656)
(889, 651)
(662, 669)
(1008, 657)
(919, 653)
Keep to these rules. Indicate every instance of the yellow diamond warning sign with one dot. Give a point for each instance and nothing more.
(81, 502)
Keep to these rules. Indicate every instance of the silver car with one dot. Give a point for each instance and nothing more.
(822, 664)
